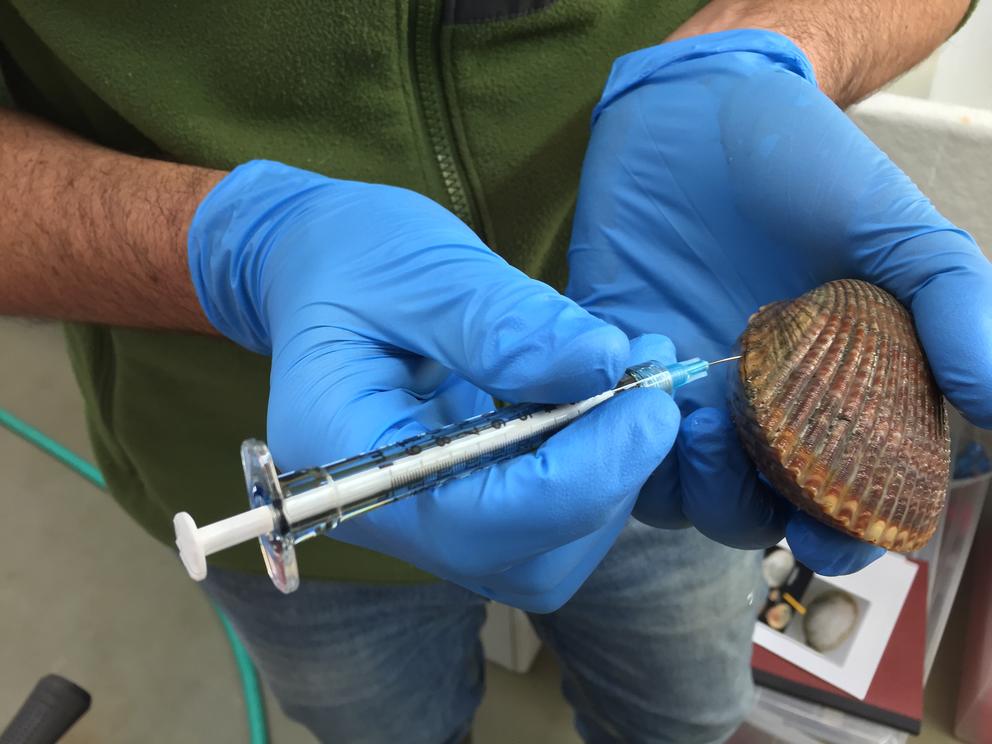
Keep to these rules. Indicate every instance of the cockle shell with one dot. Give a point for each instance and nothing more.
(836, 405)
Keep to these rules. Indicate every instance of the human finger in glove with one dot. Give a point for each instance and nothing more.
(385, 317)
(718, 179)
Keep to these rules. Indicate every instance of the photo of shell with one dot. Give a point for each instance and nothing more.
(836, 405)
(807, 609)
(830, 620)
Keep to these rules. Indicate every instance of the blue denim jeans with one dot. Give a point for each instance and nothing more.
(655, 647)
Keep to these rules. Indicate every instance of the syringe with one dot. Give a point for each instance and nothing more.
(295, 506)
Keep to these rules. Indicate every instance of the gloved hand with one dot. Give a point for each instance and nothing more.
(386, 316)
(719, 179)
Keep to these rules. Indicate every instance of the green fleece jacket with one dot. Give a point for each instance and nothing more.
(482, 105)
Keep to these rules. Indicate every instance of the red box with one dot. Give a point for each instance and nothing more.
(974, 716)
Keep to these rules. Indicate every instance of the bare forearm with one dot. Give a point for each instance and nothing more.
(90, 234)
(856, 46)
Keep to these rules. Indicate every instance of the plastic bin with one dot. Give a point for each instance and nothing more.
(974, 709)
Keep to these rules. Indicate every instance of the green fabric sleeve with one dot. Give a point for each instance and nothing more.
(971, 9)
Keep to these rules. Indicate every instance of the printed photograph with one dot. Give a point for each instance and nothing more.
(807, 609)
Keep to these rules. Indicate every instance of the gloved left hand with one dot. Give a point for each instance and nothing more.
(719, 179)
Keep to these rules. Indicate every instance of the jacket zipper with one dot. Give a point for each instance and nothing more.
(425, 59)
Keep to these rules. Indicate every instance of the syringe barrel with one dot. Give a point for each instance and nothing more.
(348, 488)
(325, 496)
(294, 506)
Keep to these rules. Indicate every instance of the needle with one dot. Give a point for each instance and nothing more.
(721, 361)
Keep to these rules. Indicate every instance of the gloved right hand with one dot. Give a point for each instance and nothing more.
(386, 316)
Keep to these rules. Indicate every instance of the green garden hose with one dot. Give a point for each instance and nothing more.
(251, 691)
(50, 447)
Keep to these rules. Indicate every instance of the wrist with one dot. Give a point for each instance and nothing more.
(855, 47)
(180, 192)
(736, 15)
(741, 52)
(231, 234)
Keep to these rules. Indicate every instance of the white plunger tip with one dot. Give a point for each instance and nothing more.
(190, 547)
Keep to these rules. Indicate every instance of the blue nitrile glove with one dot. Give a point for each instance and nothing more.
(719, 179)
(385, 317)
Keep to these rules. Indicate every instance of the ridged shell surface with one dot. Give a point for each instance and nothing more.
(836, 404)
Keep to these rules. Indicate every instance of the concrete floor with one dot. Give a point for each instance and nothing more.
(88, 595)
